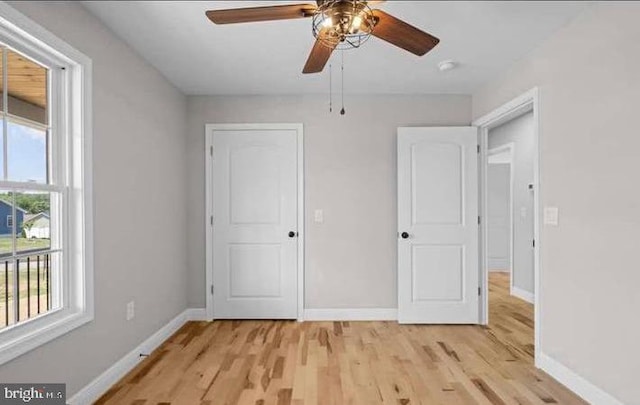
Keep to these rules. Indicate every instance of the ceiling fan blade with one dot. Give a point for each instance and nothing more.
(320, 54)
(401, 34)
(268, 13)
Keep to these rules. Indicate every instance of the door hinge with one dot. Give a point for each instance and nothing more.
(533, 242)
(478, 219)
(211, 289)
(211, 220)
(479, 291)
(211, 150)
(478, 148)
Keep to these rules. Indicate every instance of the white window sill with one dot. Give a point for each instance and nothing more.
(21, 338)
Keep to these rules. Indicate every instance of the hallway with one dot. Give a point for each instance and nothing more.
(510, 318)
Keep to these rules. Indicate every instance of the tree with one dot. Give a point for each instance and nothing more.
(32, 203)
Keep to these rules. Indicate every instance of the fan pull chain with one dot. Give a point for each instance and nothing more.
(330, 88)
(342, 111)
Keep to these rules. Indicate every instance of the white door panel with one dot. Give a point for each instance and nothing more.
(437, 225)
(255, 208)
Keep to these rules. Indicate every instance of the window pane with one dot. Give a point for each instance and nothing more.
(33, 232)
(7, 222)
(7, 288)
(2, 50)
(35, 284)
(1, 117)
(26, 153)
(27, 82)
(1, 147)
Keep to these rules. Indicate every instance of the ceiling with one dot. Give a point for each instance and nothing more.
(26, 80)
(201, 58)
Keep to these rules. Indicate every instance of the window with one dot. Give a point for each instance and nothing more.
(45, 248)
(29, 188)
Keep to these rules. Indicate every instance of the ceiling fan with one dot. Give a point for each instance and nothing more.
(337, 24)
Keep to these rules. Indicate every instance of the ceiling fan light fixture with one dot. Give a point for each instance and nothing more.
(343, 24)
(356, 23)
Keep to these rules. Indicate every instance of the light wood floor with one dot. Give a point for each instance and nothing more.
(334, 363)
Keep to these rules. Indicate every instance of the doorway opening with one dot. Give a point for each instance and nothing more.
(510, 200)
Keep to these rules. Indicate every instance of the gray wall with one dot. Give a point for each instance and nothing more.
(498, 221)
(139, 162)
(350, 173)
(519, 131)
(589, 79)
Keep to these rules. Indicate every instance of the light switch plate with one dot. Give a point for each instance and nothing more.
(131, 310)
(551, 216)
(318, 216)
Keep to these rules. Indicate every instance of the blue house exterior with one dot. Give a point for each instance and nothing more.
(6, 216)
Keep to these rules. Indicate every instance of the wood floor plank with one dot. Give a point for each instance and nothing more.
(348, 363)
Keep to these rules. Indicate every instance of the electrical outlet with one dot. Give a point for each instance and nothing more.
(318, 216)
(131, 310)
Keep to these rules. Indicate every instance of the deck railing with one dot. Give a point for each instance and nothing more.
(25, 287)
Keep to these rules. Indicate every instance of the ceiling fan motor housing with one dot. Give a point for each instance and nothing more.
(343, 24)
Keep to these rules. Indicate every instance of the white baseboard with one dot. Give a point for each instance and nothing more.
(113, 374)
(576, 383)
(522, 294)
(351, 314)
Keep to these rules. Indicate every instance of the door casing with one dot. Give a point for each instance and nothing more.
(208, 133)
(529, 101)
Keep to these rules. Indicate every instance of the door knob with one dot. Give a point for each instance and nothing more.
(404, 235)
(293, 234)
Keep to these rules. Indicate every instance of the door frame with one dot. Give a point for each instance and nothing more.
(208, 217)
(510, 147)
(529, 101)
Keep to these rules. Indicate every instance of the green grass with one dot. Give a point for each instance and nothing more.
(33, 283)
(22, 245)
(33, 294)
(6, 244)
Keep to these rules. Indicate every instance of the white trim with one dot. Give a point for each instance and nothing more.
(576, 383)
(522, 294)
(522, 104)
(92, 391)
(351, 314)
(208, 133)
(26, 36)
(208, 218)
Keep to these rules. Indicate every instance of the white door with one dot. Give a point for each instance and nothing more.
(255, 211)
(437, 225)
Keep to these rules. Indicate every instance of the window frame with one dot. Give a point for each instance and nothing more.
(71, 144)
